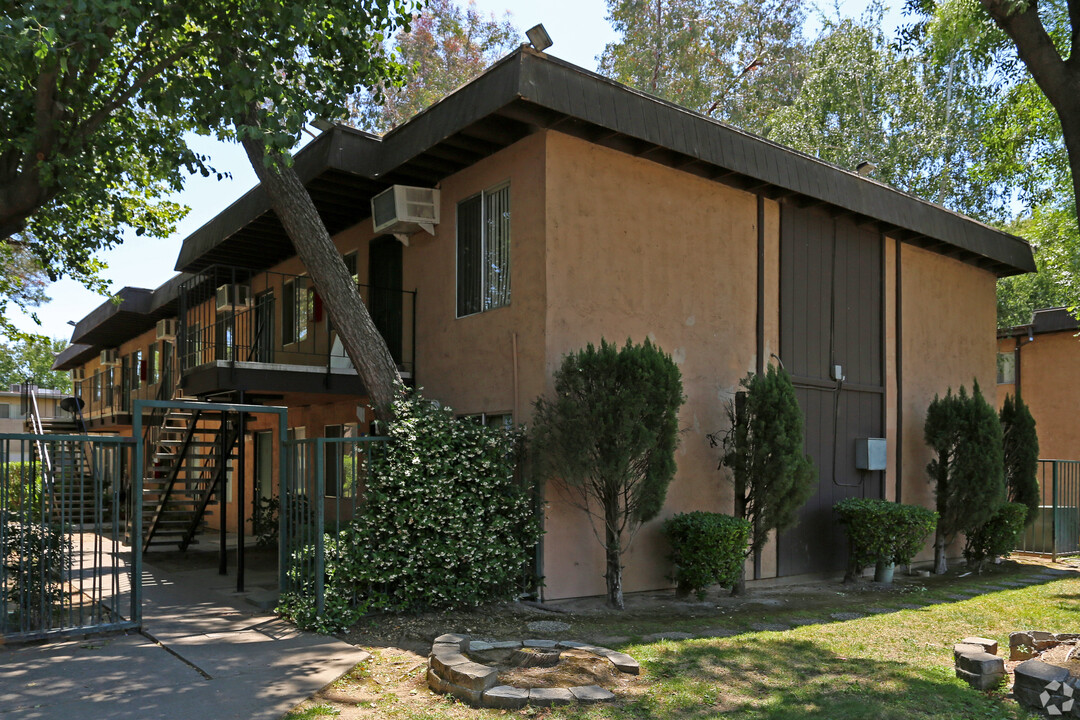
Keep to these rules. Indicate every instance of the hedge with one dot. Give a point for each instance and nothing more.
(883, 531)
(706, 549)
(997, 537)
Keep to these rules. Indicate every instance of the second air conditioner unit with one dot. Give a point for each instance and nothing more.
(110, 357)
(231, 297)
(78, 374)
(404, 210)
(166, 329)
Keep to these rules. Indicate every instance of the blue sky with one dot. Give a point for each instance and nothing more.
(580, 31)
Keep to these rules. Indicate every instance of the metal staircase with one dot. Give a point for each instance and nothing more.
(186, 469)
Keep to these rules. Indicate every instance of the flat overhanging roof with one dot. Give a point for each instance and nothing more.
(528, 91)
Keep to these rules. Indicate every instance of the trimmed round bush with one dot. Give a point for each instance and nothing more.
(997, 537)
(883, 531)
(706, 549)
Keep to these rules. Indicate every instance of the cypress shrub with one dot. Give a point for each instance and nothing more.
(1020, 444)
(706, 549)
(997, 537)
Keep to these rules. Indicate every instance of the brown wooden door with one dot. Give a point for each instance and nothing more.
(831, 313)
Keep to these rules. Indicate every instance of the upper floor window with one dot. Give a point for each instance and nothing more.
(483, 251)
(296, 310)
(1006, 368)
(154, 364)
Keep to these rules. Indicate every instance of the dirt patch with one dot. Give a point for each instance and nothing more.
(575, 668)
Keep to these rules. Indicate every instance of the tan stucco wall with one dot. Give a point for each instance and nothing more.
(637, 250)
(949, 320)
(469, 362)
(1048, 370)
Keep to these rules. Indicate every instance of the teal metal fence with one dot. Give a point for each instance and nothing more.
(63, 571)
(1056, 528)
(321, 491)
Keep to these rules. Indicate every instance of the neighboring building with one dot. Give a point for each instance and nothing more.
(13, 412)
(1040, 361)
(573, 208)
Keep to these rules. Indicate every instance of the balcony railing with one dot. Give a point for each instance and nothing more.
(232, 315)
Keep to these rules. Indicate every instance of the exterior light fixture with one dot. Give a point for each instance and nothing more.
(865, 168)
(538, 37)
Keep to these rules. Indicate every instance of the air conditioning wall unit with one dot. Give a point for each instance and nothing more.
(165, 329)
(404, 210)
(231, 297)
(78, 374)
(110, 357)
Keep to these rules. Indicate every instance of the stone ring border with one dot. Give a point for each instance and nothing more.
(450, 671)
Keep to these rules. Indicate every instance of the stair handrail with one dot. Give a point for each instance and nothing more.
(33, 414)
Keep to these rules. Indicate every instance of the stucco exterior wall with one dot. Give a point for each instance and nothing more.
(949, 321)
(1048, 370)
(637, 250)
(469, 363)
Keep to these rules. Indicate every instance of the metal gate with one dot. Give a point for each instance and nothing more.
(1056, 527)
(63, 569)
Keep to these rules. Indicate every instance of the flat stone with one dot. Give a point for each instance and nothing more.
(442, 662)
(549, 697)
(955, 596)
(671, 635)
(506, 697)
(460, 640)
(799, 622)
(624, 663)
(1013, 583)
(717, 633)
(965, 649)
(436, 683)
(911, 606)
(548, 626)
(543, 644)
(769, 627)
(479, 646)
(843, 616)
(506, 645)
(572, 645)
(473, 676)
(980, 682)
(473, 697)
(1032, 678)
(879, 610)
(587, 694)
(986, 644)
(981, 663)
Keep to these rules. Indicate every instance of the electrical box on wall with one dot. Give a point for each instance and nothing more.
(870, 453)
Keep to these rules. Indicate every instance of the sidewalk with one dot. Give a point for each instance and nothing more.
(204, 654)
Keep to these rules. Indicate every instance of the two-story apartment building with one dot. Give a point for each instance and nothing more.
(572, 208)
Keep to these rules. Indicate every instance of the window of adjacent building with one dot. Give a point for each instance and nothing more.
(5, 411)
(1006, 368)
(136, 369)
(350, 266)
(296, 310)
(97, 386)
(153, 369)
(505, 420)
(483, 251)
(193, 340)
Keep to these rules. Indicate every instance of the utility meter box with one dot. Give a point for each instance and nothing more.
(870, 453)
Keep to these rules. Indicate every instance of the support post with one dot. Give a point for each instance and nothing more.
(223, 450)
(240, 504)
(1054, 514)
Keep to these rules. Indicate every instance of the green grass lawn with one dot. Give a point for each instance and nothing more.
(888, 665)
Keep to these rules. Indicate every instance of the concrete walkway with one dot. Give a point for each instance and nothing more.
(205, 654)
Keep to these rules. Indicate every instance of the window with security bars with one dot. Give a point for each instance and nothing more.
(483, 251)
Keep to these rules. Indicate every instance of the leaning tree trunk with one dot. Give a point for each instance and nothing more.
(290, 200)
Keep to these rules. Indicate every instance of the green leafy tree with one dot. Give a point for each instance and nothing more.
(1055, 239)
(968, 468)
(445, 47)
(1020, 448)
(30, 360)
(763, 449)
(142, 73)
(735, 61)
(608, 435)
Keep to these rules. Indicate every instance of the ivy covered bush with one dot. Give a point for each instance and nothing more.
(997, 537)
(883, 531)
(446, 522)
(21, 486)
(706, 549)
